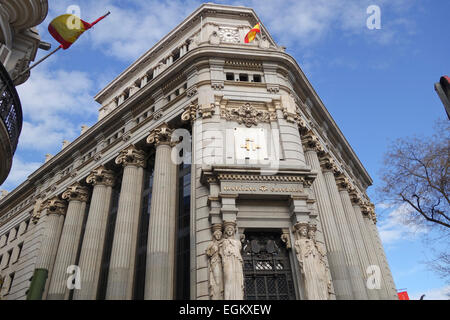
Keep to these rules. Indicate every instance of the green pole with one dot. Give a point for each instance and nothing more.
(37, 285)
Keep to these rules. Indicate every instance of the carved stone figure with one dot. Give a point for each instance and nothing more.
(215, 265)
(233, 275)
(311, 256)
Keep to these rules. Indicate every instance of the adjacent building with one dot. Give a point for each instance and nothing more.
(214, 172)
(19, 42)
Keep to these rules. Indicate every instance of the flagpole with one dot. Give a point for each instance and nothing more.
(38, 62)
(100, 19)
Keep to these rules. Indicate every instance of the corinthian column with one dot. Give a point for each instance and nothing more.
(356, 278)
(55, 210)
(369, 257)
(94, 234)
(77, 197)
(363, 261)
(336, 255)
(159, 279)
(121, 267)
(370, 220)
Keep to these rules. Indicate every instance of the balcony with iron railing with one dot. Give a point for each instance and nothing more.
(10, 122)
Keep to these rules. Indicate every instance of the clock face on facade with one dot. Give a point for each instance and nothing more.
(230, 35)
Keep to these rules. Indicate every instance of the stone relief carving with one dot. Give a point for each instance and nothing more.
(311, 258)
(214, 39)
(248, 115)
(207, 111)
(225, 264)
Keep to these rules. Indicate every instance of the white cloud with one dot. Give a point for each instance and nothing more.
(432, 294)
(55, 104)
(135, 26)
(19, 172)
(396, 226)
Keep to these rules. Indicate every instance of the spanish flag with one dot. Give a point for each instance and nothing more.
(67, 28)
(252, 33)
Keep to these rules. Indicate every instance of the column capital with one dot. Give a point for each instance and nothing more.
(101, 176)
(368, 210)
(311, 142)
(162, 135)
(54, 206)
(354, 196)
(328, 164)
(342, 182)
(130, 156)
(190, 113)
(76, 192)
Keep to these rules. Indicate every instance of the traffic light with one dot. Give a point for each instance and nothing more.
(443, 90)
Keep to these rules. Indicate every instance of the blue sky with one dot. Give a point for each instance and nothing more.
(377, 85)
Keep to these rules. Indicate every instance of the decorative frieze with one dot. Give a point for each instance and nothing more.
(101, 176)
(131, 156)
(76, 192)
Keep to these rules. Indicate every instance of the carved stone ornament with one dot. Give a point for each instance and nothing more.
(207, 111)
(160, 136)
(229, 35)
(354, 196)
(311, 143)
(131, 156)
(285, 237)
(190, 113)
(101, 176)
(311, 258)
(191, 92)
(248, 115)
(76, 192)
(54, 206)
(328, 164)
(342, 182)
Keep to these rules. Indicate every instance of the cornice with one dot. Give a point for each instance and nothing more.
(192, 57)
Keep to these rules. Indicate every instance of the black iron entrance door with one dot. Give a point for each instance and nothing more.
(267, 270)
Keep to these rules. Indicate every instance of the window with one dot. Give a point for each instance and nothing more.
(230, 76)
(256, 78)
(183, 233)
(185, 86)
(243, 77)
(177, 92)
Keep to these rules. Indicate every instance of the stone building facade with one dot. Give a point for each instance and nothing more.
(213, 172)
